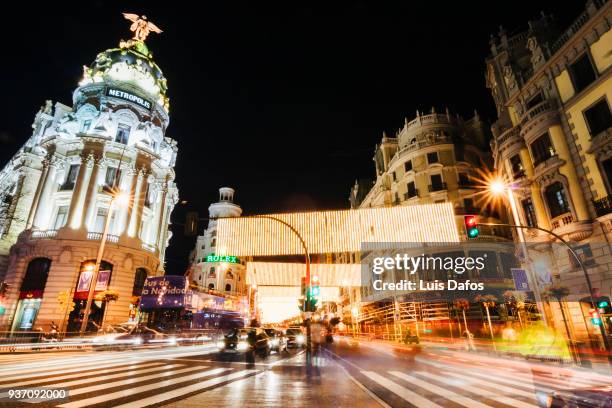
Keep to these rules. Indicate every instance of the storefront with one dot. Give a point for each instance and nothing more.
(30, 294)
(81, 292)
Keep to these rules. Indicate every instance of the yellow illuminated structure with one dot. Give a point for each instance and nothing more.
(552, 142)
(336, 231)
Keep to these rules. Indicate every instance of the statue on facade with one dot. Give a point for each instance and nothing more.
(141, 26)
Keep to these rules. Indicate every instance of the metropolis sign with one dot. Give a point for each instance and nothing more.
(117, 93)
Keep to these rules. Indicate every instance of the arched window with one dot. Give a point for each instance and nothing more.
(229, 274)
(228, 287)
(36, 275)
(139, 280)
(211, 272)
(556, 199)
(211, 286)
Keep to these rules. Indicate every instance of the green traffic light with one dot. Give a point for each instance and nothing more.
(473, 232)
(603, 304)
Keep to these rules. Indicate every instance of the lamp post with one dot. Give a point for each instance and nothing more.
(120, 198)
(497, 186)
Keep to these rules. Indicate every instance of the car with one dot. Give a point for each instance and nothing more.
(597, 397)
(246, 341)
(277, 339)
(295, 338)
(141, 334)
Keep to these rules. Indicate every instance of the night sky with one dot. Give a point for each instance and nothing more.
(282, 101)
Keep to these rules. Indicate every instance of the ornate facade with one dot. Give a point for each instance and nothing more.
(57, 192)
(434, 158)
(553, 140)
(226, 275)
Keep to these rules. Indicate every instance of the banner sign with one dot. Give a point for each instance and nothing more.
(520, 279)
(161, 292)
(84, 283)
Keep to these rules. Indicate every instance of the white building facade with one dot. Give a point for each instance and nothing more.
(225, 274)
(56, 193)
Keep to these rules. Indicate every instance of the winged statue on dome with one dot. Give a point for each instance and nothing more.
(141, 26)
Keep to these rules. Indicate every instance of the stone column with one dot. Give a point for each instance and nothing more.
(136, 207)
(125, 185)
(91, 195)
(161, 209)
(41, 182)
(42, 220)
(75, 213)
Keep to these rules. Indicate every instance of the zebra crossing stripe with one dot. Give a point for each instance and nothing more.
(61, 368)
(414, 398)
(186, 390)
(137, 390)
(449, 395)
(81, 374)
(490, 383)
(479, 391)
(115, 383)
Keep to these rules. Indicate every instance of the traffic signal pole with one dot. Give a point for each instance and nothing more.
(584, 271)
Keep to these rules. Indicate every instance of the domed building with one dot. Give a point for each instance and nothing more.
(101, 165)
(434, 158)
(211, 272)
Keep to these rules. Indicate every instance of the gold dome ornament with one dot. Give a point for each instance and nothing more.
(141, 26)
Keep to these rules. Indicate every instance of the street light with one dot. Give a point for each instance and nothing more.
(120, 198)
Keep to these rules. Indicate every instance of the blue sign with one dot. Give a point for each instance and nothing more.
(520, 279)
(161, 292)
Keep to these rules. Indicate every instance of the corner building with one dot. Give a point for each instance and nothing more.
(59, 185)
(552, 141)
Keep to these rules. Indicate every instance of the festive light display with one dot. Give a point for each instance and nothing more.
(289, 274)
(336, 231)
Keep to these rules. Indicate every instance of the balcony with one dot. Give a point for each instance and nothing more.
(508, 136)
(43, 234)
(603, 206)
(540, 108)
(436, 187)
(562, 221)
(97, 236)
(466, 184)
(148, 247)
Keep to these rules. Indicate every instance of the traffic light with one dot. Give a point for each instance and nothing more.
(604, 307)
(315, 290)
(595, 318)
(471, 226)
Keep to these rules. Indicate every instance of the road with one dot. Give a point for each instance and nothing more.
(346, 373)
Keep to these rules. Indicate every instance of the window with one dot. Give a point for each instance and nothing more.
(598, 117)
(211, 272)
(529, 212)
(61, 217)
(139, 280)
(432, 157)
(71, 177)
(148, 196)
(101, 220)
(536, 99)
(582, 72)
(86, 125)
(123, 134)
(112, 177)
(228, 287)
(556, 200)
(542, 149)
(229, 274)
(468, 203)
(211, 286)
(408, 166)
(464, 180)
(412, 191)
(516, 166)
(436, 183)
(394, 176)
(36, 275)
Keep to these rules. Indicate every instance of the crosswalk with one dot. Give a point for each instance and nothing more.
(137, 383)
(434, 384)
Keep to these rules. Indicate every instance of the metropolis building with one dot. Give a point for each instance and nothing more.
(56, 194)
(553, 142)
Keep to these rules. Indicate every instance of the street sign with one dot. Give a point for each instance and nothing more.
(521, 282)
